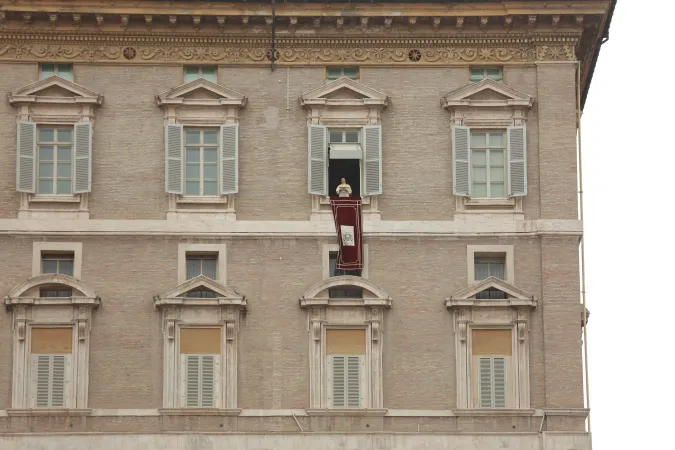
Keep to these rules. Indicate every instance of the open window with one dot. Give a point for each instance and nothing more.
(200, 320)
(345, 345)
(52, 319)
(489, 148)
(344, 141)
(491, 321)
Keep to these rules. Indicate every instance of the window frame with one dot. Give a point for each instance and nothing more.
(511, 399)
(484, 74)
(200, 72)
(55, 161)
(57, 256)
(56, 71)
(327, 249)
(488, 164)
(220, 250)
(474, 251)
(202, 146)
(342, 73)
(57, 247)
(330, 380)
(69, 374)
(344, 131)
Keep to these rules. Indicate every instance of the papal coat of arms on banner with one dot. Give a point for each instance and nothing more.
(347, 232)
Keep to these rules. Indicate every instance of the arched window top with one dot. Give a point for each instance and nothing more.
(49, 280)
(319, 293)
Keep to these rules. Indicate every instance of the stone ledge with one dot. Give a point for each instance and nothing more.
(347, 412)
(48, 412)
(198, 412)
(493, 412)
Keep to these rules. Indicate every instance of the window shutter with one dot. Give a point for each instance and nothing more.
(173, 142)
(338, 387)
(58, 381)
(461, 151)
(192, 381)
(372, 158)
(25, 157)
(517, 161)
(208, 381)
(353, 381)
(317, 155)
(43, 372)
(499, 377)
(229, 162)
(82, 177)
(485, 382)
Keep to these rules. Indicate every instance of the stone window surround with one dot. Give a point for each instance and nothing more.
(344, 113)
(489, 115)
(325, 258)
(33, 312)
(511, 313)
(201, 112)
(54, 111)
(179, 311)
(40, 247)
(509, 259)
(221, 265)
(363, 313)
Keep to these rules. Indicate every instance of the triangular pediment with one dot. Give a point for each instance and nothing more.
(492, 283)
(201, 283)
(54, 88)
(486, 93)
(344, 91)
(201, 91)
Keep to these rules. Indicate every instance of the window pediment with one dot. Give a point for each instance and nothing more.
(318, 294)
(224, 295)
(54, 90)
(486, 93)
(201, 92)
(514, 295)
(344, 92)
(82, 294)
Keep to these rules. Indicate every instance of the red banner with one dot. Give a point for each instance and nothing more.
(348, 224)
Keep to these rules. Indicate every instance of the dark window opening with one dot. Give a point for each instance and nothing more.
(343, 291)
(201, 293)
(491, 294)
(350, 170)
(59, 263)
(56, 293)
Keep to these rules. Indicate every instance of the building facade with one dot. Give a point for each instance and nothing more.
(168, 247)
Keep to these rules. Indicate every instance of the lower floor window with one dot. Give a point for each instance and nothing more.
(492, 381)
(200, 352)
(491, 350)
(342, 291)
(346, 355)
(51, 352)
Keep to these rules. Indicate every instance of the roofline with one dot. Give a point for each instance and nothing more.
(604, 38)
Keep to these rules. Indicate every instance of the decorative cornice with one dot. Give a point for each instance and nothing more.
(515, 48)
(176, 296)
(78, 93)
(460, 97)
(176, 96)
(89, 295)
(375, 296)
(321, 95)
(466, 297)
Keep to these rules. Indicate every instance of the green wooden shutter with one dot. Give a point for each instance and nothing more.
(208, 381)
(354, 393)
(42, 368)
(192, 381)
(82, 163)
(461, 160)
(25, 156)
(229, 159)
(173, 143)
(372, 159)
(317, 151)
(339, 381)
(517, 151)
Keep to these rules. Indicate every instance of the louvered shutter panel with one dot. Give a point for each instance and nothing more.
(42, 367)
(517, 161)
(229, 159)
(58, 381)
(461, 156)
(82, 172)
(192, 381)
(317, 160)
(485, 382)
(25, 156)
(173, 142)
(353, 381)
(499, 379)
(208, 381)
(338, 387)
(372, 158)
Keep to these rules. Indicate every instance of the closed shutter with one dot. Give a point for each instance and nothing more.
(485, 382)
(492, 382)
(200, 380)
(173, 143)
(517, 152)
(50, 391)
(317, 164)
(229, 162)
(82, 178)
(499, 378)
(338, 387)
(25, 157)
(354, 382)
(461, 151)
(372, 157)
(346, 381)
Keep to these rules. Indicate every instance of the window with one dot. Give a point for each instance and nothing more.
(485, 267)
(333, 73)
(63, 70)
(55, 160)
(201, 264)
(201, 161)
(491, 294)
(346, 354)
(200, 366)
(344, 159)
(201, 293)
(342, 291)
(493, 73)
(51, 354)
(191, 73)
(491, 350)
(61, 263)
(488, 164)
(56, 293)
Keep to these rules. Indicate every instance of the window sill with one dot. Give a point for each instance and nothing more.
(491, 201)
(494, 412)
(55, 198)
(199, 412)
(347, 412)
(210, 200)
(48, 412)
(326, 200)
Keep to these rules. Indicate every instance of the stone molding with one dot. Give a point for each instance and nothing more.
(224, 312)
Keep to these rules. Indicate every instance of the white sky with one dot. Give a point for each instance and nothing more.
(628, 137)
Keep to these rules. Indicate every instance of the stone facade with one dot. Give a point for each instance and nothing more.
(130, 236)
